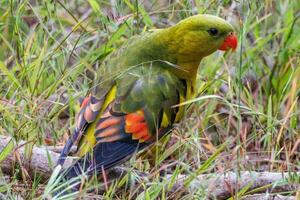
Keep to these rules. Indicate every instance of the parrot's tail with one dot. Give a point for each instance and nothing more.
(104, 156)
(66, 150)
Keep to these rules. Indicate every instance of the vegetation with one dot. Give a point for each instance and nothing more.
(246, 116)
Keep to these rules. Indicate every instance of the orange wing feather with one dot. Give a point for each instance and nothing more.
(117, 127)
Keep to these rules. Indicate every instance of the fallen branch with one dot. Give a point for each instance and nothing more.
(268, 196)
(41, 161)
(222, 186)
(33, 161)
(58, 149)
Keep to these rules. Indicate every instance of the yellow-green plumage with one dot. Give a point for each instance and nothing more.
(143, 80)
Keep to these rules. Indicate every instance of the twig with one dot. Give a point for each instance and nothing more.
(217, 185)
(268, 196)
(58, 149)
(38, 160)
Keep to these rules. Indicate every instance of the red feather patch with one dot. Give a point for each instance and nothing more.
(136, 125)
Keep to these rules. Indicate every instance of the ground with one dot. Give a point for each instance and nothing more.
(246, 116)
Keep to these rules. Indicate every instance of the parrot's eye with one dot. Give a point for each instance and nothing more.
(213, 31)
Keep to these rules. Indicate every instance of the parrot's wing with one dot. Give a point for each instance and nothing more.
(140, 113)
(150, 91)
(89, 110)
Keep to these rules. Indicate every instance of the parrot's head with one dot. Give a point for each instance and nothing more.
(200, 35)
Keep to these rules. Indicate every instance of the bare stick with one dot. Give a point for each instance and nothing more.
(37, 160)
(268, 196)
(221, 186)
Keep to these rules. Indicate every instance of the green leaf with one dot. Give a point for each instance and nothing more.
(243, 190)
(173, 178)
(7, 150)
(205, 165)
(152, 192)
(168, 152)
(10, 75)
(95, 6)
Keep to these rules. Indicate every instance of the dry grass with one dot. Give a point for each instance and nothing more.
(248, 100)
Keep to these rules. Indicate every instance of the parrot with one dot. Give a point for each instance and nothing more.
(132, 103)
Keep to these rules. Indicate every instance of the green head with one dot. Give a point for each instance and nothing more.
(199, 36)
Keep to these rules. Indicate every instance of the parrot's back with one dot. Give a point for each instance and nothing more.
(136, 111)
(132, 103)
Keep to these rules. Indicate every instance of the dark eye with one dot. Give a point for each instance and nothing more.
(213, 31)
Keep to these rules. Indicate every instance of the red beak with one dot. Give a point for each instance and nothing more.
(230, 42)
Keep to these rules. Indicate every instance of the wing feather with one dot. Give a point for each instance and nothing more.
(131, 119)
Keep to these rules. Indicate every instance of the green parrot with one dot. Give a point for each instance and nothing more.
(132, 103)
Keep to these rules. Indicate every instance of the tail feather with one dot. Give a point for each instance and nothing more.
(104, 156)
(64, 153)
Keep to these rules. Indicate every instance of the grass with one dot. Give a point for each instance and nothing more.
(249, 100)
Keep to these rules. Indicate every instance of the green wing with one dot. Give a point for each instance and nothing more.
(144, 97)
(152, 89)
